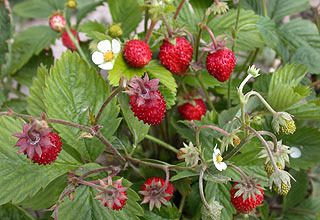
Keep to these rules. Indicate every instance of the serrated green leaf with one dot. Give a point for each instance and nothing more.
(32, 177)
(282, 94)
(278, 9)
(307, 210)
(84, 9)
(306, 139)
(183, 174)
(155, 69)
(248, 36)
(137, 128)
(86, 207)
(46, 197)
(253, 5)
(127, 13)
(38, 8)
(89, 26)
(5, 27)
(28, 43)
(308, 56)
(13, 212)
(165, 213)
(121, 67)
(71, 89)
(268, 32)
(183, 186)
(26, 74)
(168, 95)
(36, 97)
(307, 111)
(221, 193)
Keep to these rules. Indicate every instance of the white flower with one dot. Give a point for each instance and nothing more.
(217, 159)
(106, 53)
(295, 152)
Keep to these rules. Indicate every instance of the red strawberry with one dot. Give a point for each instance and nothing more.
(246, 204)
(146, 101)
(67, 42)
(152, 192)
(57, 22)
(192, 111)
(41, 146)
(220, 64)
(137, 53)
(176, 58)
(114, 195)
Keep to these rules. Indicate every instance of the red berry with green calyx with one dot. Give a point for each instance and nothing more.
(193, 110)
(153, 193)
(40, 146)
(176, 58)
(221, 63)
(57, 22)
(245, 198)
(137, 53)
(67, 42)
(146, 101)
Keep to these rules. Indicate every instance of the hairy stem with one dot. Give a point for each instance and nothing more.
(178, 9)
(214, 41)
(243, 174)
(153, 23)
(211, 127)
(169, 29)
(111, 96)
(314, 83)
(274, 139)
(111, 168)
(162, 143)
(201, 188)
(266, 104)
(265, 144)
(83, 182)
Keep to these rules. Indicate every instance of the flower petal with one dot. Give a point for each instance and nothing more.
(221, 166)
(216, 151)
(116, 47)
(104, 46)
(97, 57)
(296, 152)
(106, 66)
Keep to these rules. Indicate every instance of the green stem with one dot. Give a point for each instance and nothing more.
(206, 94)
(266, 104)
(198, 42)
(162, 143)
(235, 150)
(178, 9)
(203, 198)
(182, 202)
(76, 43)
(242, 68)
(264, 5)
(233, 48)
(27, 214)
(146, 18)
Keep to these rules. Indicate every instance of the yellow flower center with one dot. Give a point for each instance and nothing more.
(219, 158)
(108, 56)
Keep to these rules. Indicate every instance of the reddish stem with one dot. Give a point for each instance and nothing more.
(169, 29)
(178, 9)
(153, 23)
(214, 41)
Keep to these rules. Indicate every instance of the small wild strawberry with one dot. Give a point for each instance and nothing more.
(40, 146)
(114, 195)
(220, 64)
(249, 199)
(67, 42)
(57, 22)
(137, 53)
(176, 58)
(192, 111)
(152, 192)
(146, 101)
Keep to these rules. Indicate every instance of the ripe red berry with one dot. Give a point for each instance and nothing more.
(146, 101)
(67, 42)
(49, 154)
(176, 58)
(246, 205)
(137, 53)
(152, 192)
(188, 111)
(121, 201)
(220, 64)
(40, 145)
(57, 22)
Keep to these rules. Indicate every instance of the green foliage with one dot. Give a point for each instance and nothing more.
(284, 89)
(5, 27)
(86, 207)
(38, 8)
(68, 96)
(137, 128)
(278, 9)
(87, 7)
(92, 26)
(169, 96)
(12, 212)
(127, 13)
(18, 174)
(28, 43)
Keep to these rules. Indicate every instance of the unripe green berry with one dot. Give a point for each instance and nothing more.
(115, 30)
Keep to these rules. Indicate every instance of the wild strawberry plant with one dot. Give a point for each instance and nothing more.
(161, 113)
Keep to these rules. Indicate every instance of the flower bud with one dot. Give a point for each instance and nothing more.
(115, 30)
